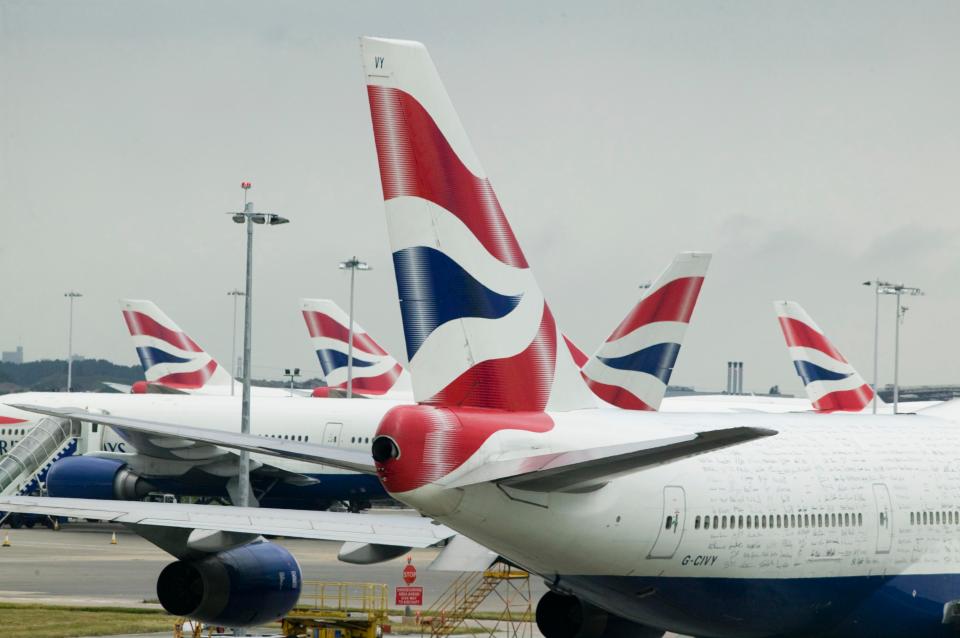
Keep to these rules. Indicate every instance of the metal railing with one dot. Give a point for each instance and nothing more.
(321, 596)
(38, 445)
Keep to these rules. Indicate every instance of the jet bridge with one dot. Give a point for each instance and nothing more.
(24, 468)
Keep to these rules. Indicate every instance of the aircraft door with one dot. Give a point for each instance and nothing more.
(331, 434)
(884, 513)
(671, 523)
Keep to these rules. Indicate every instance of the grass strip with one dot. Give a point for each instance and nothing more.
(53, 621)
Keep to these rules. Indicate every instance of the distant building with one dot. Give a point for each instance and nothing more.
(14, 356)
(921, 393)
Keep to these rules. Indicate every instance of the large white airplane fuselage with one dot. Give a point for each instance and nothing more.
(814, 529)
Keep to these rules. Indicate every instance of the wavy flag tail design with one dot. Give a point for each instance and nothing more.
(631, 370)
(832, 384)
(375, 372)
(169, 357)
(478, 331)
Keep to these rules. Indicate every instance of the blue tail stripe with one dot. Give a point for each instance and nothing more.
(657, 360)
(435, 289)
(331, 359)
(150, 357)
(811, 372)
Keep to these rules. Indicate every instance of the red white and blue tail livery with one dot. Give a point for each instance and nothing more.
(480, 334)
(631, 370)
(832, 384)
(375, 372)
(170, 358)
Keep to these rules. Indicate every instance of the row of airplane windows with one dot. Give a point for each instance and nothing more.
(772, 521)
(289, 437)
(935, 518)
(15, 432)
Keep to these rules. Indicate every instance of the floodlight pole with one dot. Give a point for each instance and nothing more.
(899, 290)
(353, 265)
(244, 485)
(249, 217)
(72, 295)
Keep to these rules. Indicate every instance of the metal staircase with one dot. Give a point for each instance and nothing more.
(24, 468)
(459, 604)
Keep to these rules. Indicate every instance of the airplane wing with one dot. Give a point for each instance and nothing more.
(585, 468)
(164, 438)
(380, 529)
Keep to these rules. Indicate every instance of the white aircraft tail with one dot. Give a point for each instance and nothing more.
(169, 357)
(832, 384)
(375, 372)
(478, 331)
(632, 369)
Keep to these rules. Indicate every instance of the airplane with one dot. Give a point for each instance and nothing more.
(173, 362)
(640, 522)
(831, 382)
(375, 372)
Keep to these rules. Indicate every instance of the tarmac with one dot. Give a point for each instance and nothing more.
(78, 565)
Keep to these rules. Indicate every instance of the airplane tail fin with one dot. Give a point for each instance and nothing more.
(478, 331)
(832, 384)
(375, 372)
(169, 357)
(631, 370)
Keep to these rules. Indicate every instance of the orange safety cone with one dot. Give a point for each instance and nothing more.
(6, 540)
(113, 539)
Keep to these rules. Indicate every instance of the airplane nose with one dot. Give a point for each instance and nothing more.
(384, 449)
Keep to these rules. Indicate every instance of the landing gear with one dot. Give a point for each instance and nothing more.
(357, 505)
(562, 616)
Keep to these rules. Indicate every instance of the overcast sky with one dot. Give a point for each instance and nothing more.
(809, 145)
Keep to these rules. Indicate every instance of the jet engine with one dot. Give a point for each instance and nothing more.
(93, 477)
(242, 587)
(560, 616)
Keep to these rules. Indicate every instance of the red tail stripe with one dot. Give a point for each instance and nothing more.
(845, 400)
(417, 161)
(379, 384)
(518, 383)
(799, 334)
(615, 395)
(140, 324)
(323, 325)
(672, 302)
(189, 380)
(579, 356)
(9, 420)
